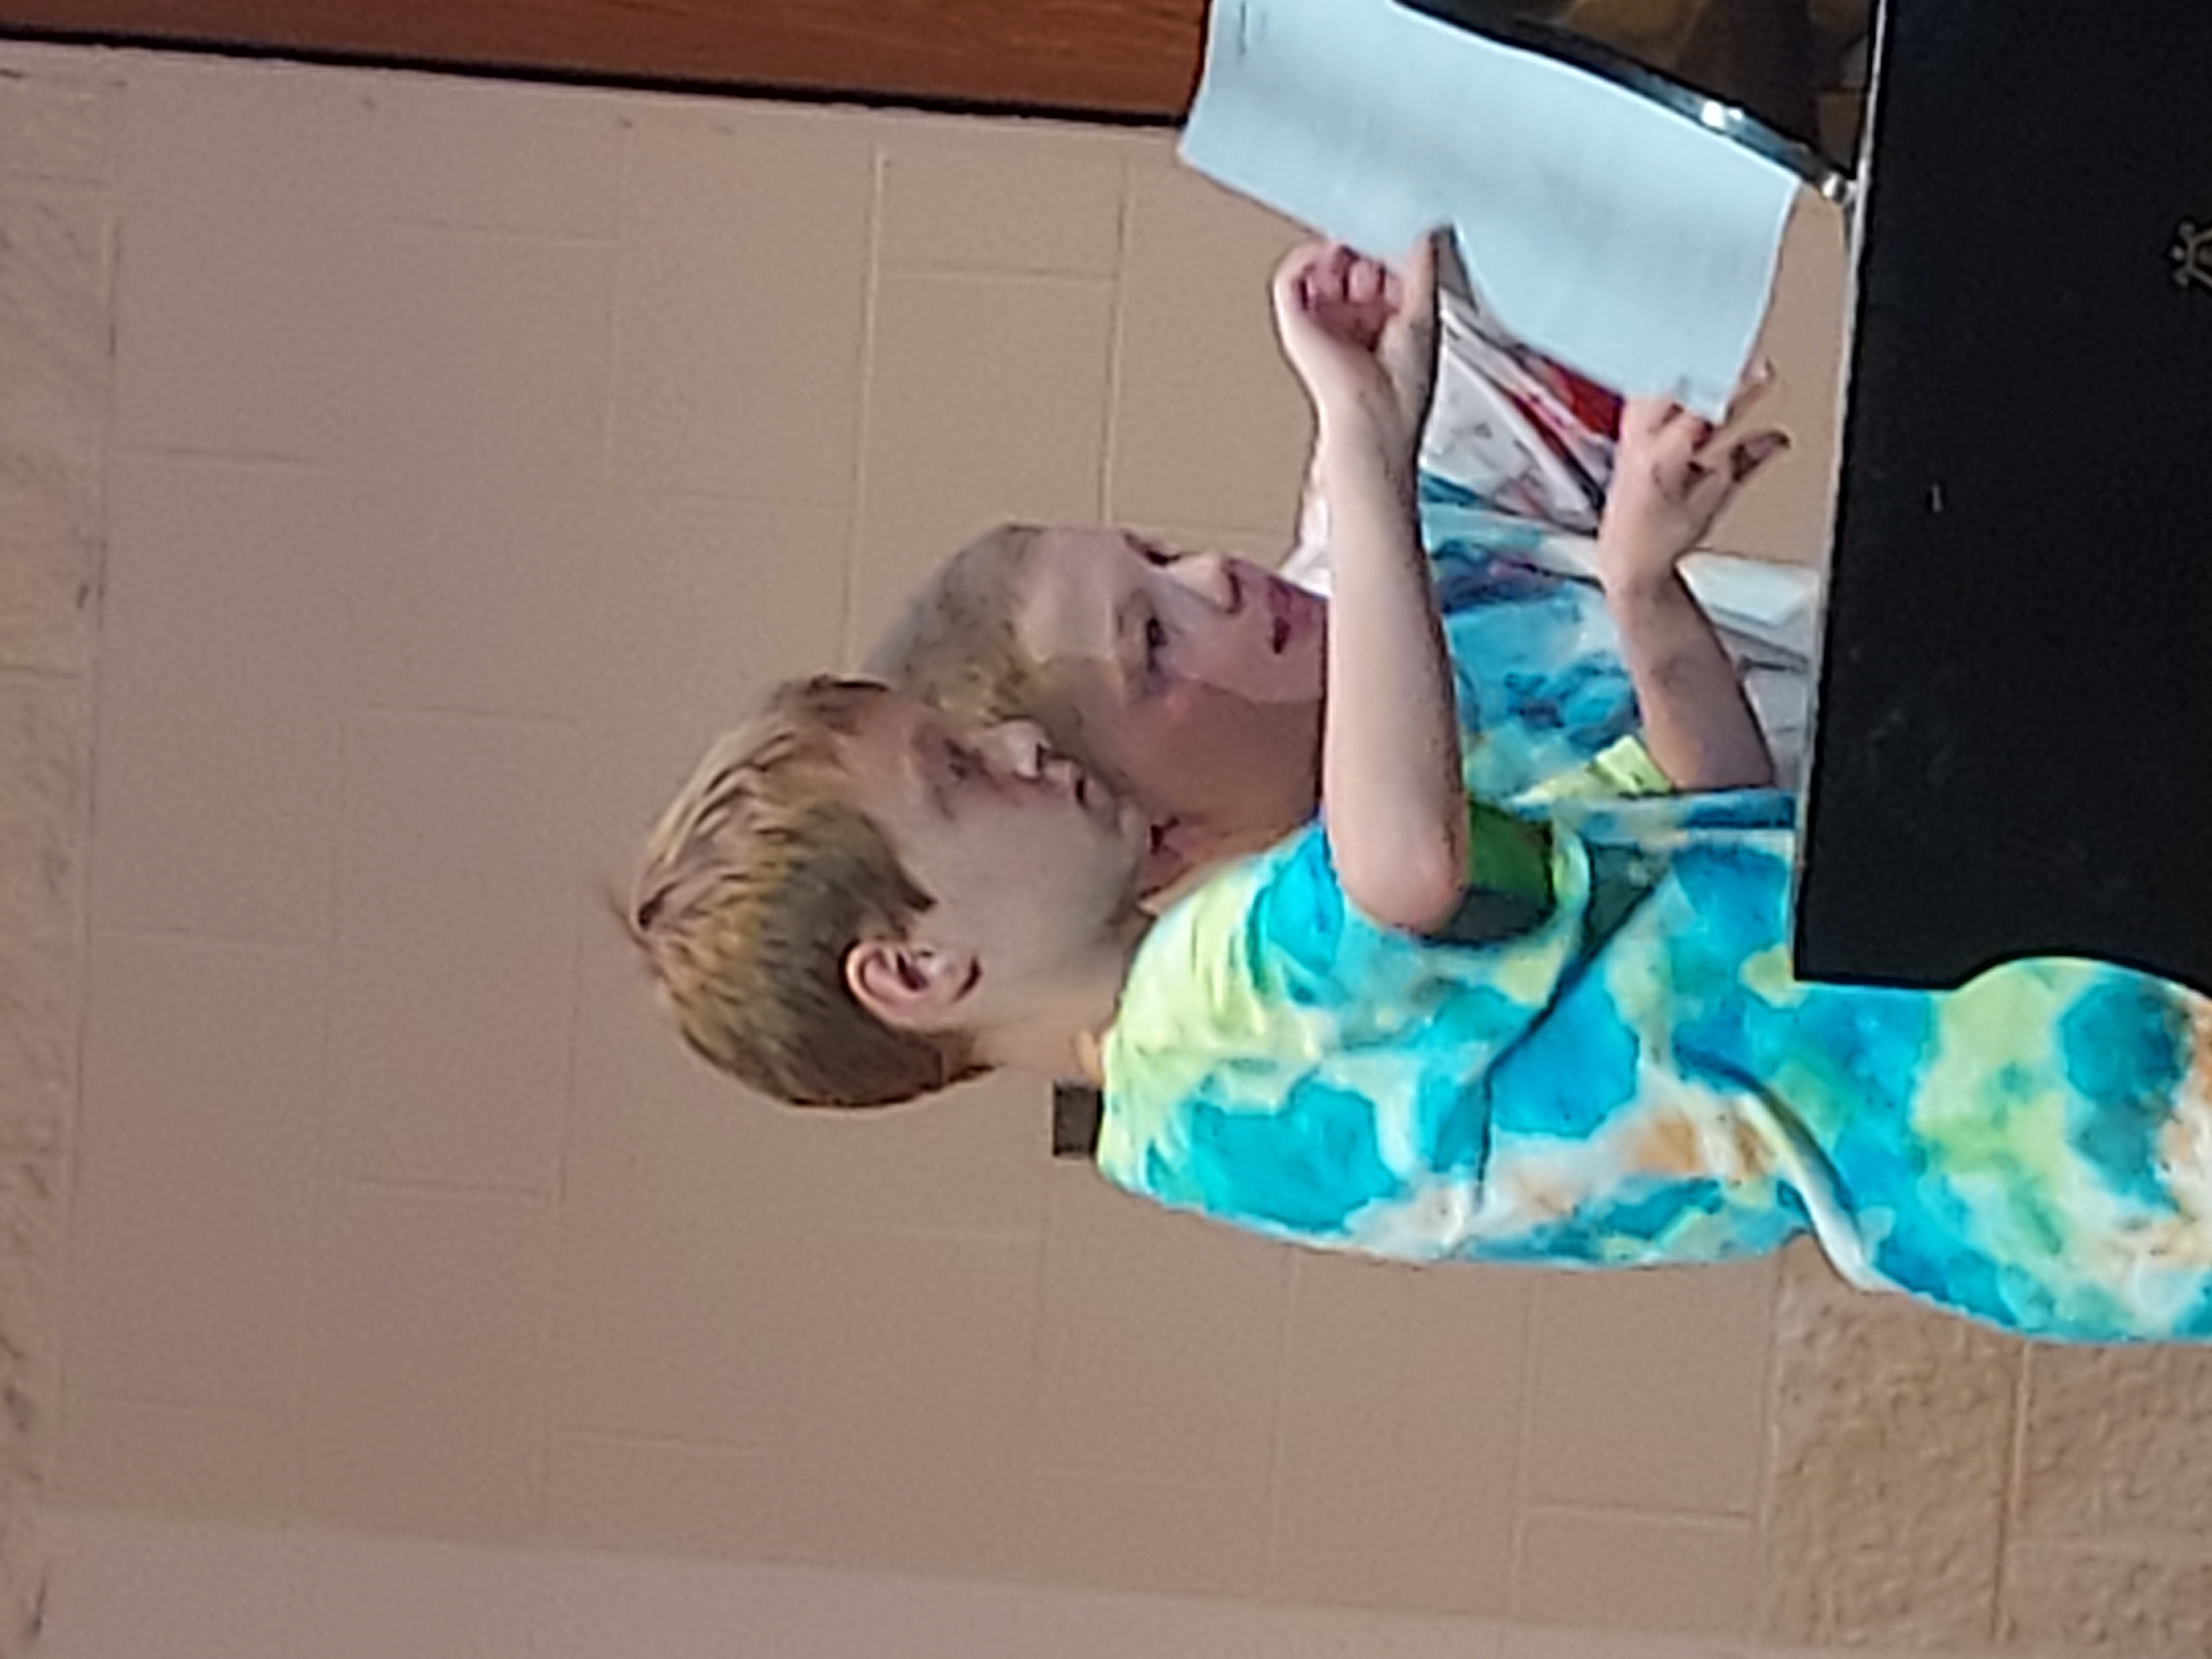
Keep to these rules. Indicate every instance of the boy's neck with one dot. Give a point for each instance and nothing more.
(1202, 848)
(1056, 1030)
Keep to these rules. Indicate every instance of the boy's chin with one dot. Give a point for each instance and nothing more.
(1178, 850)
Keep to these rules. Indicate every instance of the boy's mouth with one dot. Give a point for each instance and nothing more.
(1103, 805)
(1092, 796)
(1285, 614)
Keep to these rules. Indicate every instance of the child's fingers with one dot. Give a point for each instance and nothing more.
(1320, 273)
(1645, 416)
(1708, 493)
(1754, 387)
(1751, 453)
(1648, 415)
(1287, 288)
(1363, 282)
(1333, 278)
(1713, 486)
(1295, 276)
(1308, 287)
(1303, 257)
(1674, 437)
(1757, 381)
(1740, 452)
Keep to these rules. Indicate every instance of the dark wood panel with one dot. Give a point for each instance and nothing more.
(1127, 57)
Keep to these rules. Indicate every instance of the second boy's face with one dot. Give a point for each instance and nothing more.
(1026, 858)
(1195, 680)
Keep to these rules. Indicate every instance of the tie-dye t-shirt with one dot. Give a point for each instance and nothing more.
(1536, 663)
(1634, 1077)
(1537, 673)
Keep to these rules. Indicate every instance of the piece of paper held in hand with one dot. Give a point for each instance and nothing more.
(1613, 234)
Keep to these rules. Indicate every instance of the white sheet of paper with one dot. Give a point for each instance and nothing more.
(1627, 242)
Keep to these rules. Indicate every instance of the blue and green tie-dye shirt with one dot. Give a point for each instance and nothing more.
(1537, 671)
(1630, 1074)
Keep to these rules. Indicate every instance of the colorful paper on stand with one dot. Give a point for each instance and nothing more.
(1631, 244)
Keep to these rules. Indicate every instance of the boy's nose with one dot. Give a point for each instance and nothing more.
(1209, 575)
(1021, 748)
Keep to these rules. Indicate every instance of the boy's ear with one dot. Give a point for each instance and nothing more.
(908, 986)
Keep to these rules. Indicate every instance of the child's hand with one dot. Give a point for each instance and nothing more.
(1362, 338)
(1671, 482)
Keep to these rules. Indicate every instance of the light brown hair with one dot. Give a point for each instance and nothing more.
(758, 881)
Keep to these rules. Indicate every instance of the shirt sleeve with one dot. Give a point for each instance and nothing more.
(1273, 946)
(1271, 1040)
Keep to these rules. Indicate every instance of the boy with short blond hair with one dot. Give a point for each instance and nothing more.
(1223, 734)
(756, 880)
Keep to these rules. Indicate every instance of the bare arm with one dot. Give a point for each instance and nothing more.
(1671, 482)
(1696, 722)
(1411, 385)
(1391, 794)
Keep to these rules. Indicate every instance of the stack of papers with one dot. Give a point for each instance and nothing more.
(1606, 231)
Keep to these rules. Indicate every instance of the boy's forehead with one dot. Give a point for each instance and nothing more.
(886, 726)
(880, 757)
(900, 729)
(1064, 601)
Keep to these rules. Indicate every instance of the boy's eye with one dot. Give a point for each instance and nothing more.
(1156, 641)
(1155, 554)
